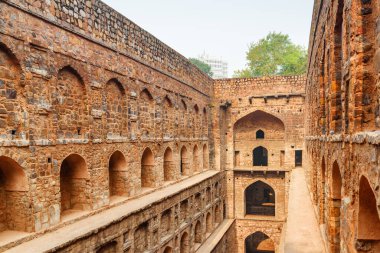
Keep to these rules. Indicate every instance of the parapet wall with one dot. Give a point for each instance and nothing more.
(260, 86)
(97, 21)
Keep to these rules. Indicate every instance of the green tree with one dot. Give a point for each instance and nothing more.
(273, 55)
(202, 66)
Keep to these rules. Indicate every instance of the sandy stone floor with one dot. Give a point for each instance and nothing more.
(302, 232)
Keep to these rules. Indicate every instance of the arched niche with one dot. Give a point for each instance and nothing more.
(117, 168)
(260, 199)
(14, 196)
(147, 169)
(258, 129)
(169, 165)
(184, 162)
(146, 114)
(71, 93)
(184, 243)
(259, 242)
(368, 218)
(196, 167)
(11, 121)
(116, 112)
(168, 118)
(205, 157)
(74, 179)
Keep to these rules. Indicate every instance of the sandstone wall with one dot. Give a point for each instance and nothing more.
(241, 108)
(166, 224)
(342, 123)
(95, 111)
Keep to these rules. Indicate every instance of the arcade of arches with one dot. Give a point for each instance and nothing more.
(117, 143)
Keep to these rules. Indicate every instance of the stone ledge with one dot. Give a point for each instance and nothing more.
(56, 238)
(370, 137)
(214, 239)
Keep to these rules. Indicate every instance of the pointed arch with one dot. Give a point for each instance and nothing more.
(335, 202)
(168, 250)
(116, 111)
(323, 192)
(14, 199)
(185, 243)
(217, 214)
(146, 114)
(183, 119)
(117, 167)
(196, 109)
(71, 93)
(169, 166)
(259, 242)
(209, 223)
(336, 93)
(369, 218)
(195, 159)
(205, 157)
(260, 199)
(168, 118)
(11, 99)
(145, 94)
(260, 134)
(74, 182)
(260, 156)
(198, 233)
(204, 123)
(147, 169)
(184, 163)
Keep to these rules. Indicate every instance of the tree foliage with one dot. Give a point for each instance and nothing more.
(202, 66)
(275, 54)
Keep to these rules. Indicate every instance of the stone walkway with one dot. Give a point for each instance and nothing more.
(302, 231)
(72, 232)
(215, 237)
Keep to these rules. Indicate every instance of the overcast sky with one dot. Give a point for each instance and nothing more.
(221, 28)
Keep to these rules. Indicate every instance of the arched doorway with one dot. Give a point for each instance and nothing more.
(335, 202)
(74, 182)
(117, 168)
(368, 220)
(185, 170)
(260, 199)
(259, 243)
(147, 169)
(169, 168)
(185, 243)
(14, 199)
(260, 156)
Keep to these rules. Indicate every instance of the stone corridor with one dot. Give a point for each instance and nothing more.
(302, 232)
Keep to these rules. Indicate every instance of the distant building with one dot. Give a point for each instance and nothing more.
(219, 67)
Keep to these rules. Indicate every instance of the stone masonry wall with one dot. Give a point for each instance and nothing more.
(162, 225)
(94, 20)
(342, 123)
(93, 111)
(240, 108)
